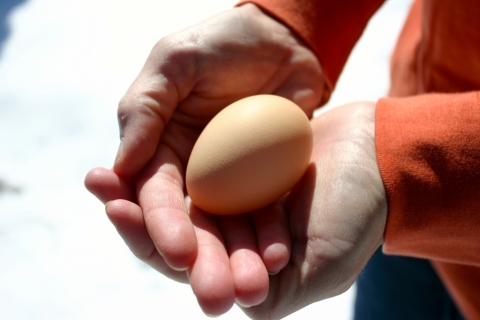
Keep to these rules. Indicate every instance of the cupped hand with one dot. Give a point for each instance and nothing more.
(187, 79)
(337, 214)
(191, 75)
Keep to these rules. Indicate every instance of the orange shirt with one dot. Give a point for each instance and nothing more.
(427, 131)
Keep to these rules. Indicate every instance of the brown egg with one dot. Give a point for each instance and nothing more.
(249, 155)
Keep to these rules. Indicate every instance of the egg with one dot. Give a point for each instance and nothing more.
(249, 155)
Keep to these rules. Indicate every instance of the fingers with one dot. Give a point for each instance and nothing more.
(249, 273)
(127, 218)
(273, 236)
(248, 266)
(252, 256)
(162, 200)
(210, 275)
(107, 186)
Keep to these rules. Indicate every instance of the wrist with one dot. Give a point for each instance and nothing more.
(351, 128)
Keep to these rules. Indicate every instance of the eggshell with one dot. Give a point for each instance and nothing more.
(249, 155)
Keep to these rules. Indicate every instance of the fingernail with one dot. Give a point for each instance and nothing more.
(241, 305)
(106, 205)
(175, 268)
(209, 315)
(120, 151)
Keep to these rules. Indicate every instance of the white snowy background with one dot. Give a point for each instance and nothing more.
(64, 64)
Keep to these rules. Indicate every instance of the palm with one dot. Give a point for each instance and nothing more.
(337, 214)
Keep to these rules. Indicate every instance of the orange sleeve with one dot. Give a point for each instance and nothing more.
(428, 150)
(329, 27)
(462, 282)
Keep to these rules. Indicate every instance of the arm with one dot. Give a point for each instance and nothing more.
(428, 148)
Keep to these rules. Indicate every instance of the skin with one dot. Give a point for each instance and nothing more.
(337, 214)
(305, 247)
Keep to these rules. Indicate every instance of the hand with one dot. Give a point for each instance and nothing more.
(188, 78)
(337, 214)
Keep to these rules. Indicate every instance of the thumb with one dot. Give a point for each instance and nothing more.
(141, 126)
(144, 112)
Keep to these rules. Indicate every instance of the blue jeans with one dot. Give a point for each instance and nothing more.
(402, 288)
